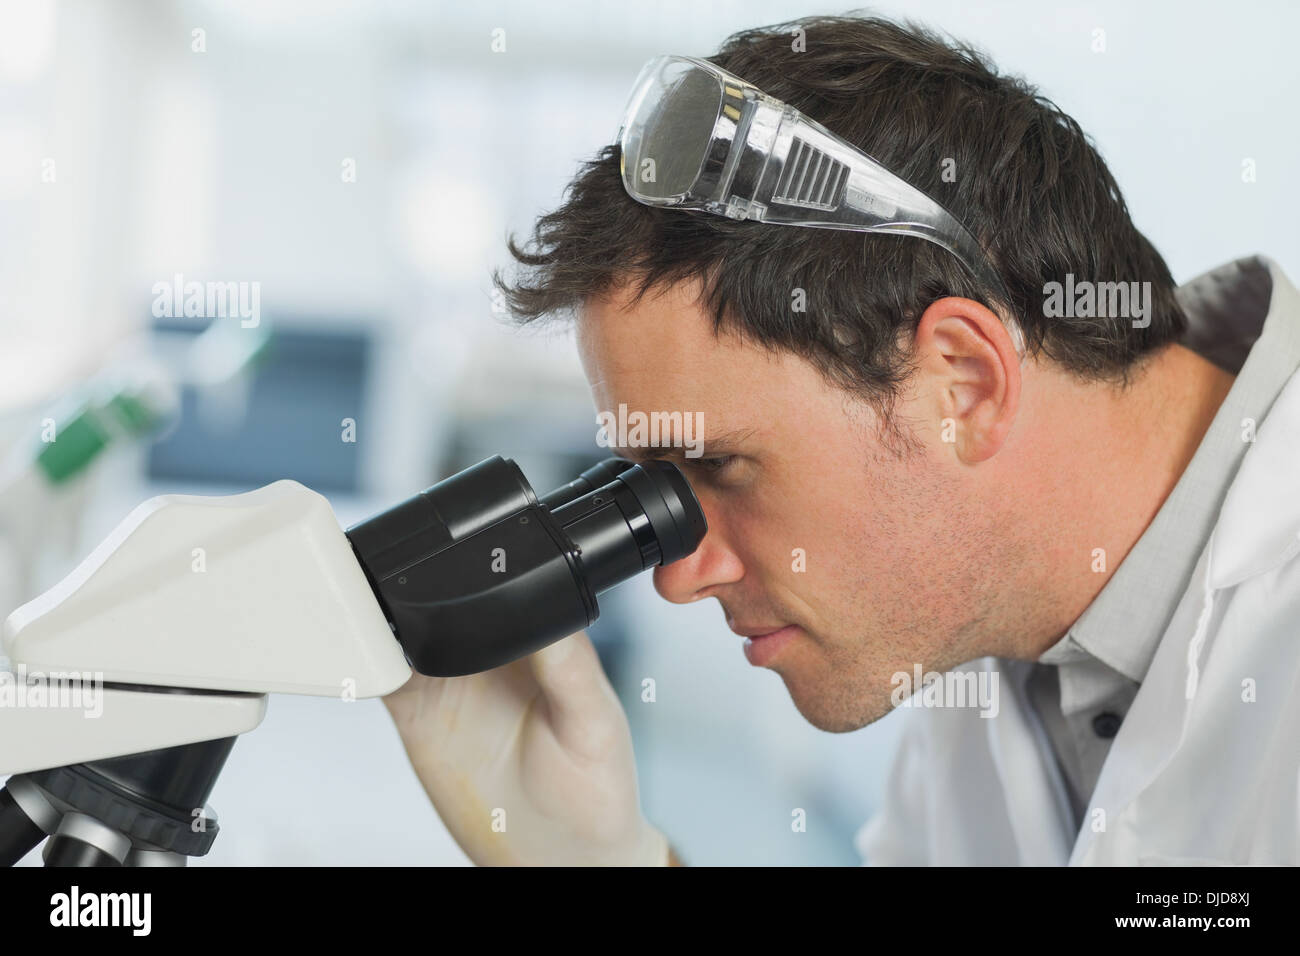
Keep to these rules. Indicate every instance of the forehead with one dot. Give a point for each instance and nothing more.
(661, 353)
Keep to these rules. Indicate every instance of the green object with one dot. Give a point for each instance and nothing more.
(74, 446)
(80, 439)
(136, 416)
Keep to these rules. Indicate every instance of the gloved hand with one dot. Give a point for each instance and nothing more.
(530, 763)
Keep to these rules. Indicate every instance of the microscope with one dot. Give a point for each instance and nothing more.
(195, 608)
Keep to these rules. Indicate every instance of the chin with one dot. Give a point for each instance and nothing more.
(834, 709)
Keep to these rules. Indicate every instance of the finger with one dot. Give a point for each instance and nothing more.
(581, 702)
(411, 704)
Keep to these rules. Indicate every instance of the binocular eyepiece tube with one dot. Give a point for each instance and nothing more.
(476, 571)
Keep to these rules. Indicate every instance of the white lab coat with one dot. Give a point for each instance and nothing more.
(1198, 773)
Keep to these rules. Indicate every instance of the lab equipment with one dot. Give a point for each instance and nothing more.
(195, 608)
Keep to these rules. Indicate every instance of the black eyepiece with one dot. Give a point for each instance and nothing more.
(475, 571)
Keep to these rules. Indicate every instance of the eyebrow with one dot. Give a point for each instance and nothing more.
(716, 443)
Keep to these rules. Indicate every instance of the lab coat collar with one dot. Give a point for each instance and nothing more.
(1154, 728)
(1259, 524)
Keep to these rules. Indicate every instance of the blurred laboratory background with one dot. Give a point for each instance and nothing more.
(362, 164)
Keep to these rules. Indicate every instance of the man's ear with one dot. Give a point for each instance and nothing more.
(966, 356)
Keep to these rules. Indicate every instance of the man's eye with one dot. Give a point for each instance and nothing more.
(714, 464)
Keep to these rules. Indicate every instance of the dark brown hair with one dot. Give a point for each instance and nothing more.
(1028, 183)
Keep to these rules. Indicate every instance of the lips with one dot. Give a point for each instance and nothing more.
(757, 630)
(762, 650)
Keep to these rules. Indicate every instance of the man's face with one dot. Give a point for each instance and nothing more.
(871, 562)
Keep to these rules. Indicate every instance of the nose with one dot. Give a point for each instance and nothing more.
(707, 568)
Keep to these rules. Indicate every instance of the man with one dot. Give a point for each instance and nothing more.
(1108, 522)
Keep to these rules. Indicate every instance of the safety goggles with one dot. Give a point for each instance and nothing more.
(699, 138)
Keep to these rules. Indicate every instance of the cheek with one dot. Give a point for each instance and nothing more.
(807, 541)
(864, 547)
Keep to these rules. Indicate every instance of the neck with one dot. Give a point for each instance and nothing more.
(1112, 456)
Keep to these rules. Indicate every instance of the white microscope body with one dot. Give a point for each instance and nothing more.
(241, 595)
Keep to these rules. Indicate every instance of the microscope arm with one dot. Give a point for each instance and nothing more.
(215, 602)
(111, 722)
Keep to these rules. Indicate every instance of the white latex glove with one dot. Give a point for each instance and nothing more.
(541, 750)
